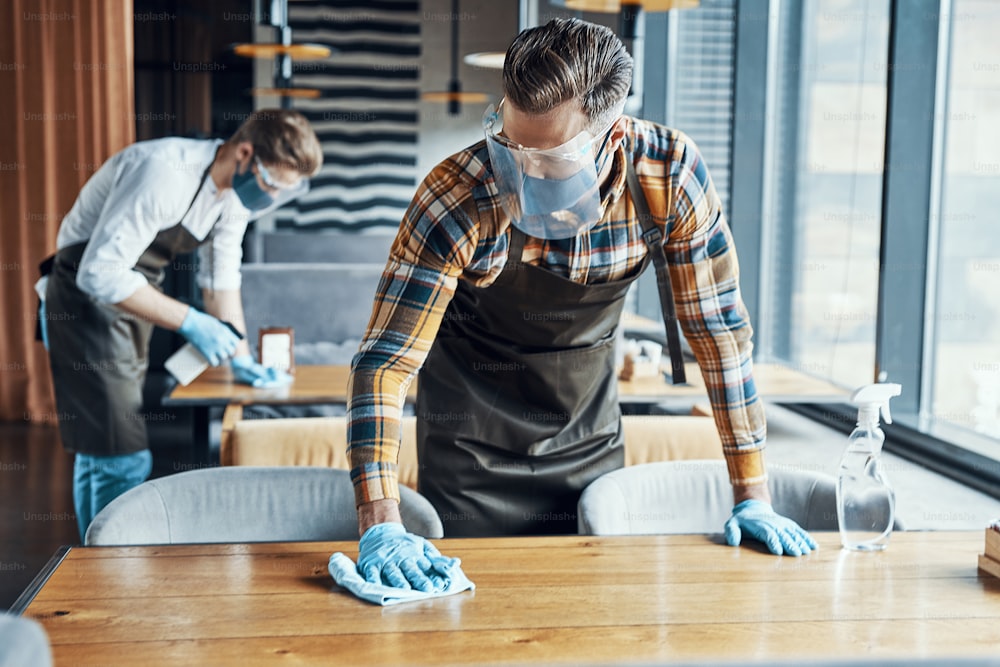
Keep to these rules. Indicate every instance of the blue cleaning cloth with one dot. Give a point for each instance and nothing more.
(345, 573)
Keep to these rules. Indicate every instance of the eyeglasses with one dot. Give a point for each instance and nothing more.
(600, 151)
(269, 181)
(573, 149)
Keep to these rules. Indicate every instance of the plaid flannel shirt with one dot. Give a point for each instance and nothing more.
(455, 229)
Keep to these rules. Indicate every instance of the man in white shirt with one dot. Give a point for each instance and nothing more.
(148, 203)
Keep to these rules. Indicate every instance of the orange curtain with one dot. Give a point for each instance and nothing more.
(66, 71)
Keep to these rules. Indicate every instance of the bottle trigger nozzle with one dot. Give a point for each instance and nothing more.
(873, 399)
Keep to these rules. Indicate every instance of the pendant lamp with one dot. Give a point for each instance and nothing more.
(454, 96)
(612, 6)
(485, 59)
(283, 53)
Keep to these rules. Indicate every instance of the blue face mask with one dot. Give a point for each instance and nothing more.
(564, 206)
(249, 191)
(554, 194)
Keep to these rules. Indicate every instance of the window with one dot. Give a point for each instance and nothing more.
(831, 227)
(820, 264)
(688, 85)
(701, 80)
(965, 328)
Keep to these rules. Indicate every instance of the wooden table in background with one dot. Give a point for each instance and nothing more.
(312, 385)
(328, 384)
(775, 383)
(579, 600)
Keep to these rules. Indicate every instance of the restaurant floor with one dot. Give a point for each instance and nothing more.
(36, 505)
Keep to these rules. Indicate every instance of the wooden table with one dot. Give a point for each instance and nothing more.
(775, 383)
(215, 387)
(328, 384)
(538, 600)
(311, 385)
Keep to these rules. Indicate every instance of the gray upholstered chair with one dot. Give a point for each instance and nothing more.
(246, 504)
(23, 642)
(323, 247)
(677, 497)
(328, 303)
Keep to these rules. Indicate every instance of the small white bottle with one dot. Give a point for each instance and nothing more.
(866, 503)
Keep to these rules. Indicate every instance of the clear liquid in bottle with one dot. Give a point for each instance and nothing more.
(865, 500)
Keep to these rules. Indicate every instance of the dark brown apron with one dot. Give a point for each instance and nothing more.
(99, 354)
(518, 404)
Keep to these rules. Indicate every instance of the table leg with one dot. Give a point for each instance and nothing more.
(200, 444)
(233, 414)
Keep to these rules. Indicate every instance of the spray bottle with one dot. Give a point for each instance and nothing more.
(866, 503)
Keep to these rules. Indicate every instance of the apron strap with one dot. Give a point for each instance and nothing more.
(516, 248)
(74, 256)
(654, 243)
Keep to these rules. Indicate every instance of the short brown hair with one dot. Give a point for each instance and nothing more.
(282, 137)
(568, 59)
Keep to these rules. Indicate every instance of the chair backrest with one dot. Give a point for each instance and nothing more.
(328, 303)
(322, 441)
(309, 441)
(326, 247)
(23, 642)
(677, 497)
(246, 504)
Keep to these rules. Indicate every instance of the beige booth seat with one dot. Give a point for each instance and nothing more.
(322, 441)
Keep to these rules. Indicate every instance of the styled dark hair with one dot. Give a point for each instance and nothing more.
(568, 59)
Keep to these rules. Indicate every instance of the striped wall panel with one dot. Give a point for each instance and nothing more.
(368, 115)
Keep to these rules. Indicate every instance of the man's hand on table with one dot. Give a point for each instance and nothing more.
(389, 555)
(759, 520)
(755, 515)
(248, 371)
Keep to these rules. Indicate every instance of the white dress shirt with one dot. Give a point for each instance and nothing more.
(141, 191)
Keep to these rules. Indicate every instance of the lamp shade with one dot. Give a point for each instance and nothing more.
(302, 93)
(612, 6)
(454, 96)
(486, 59)
(447, 96)
(293, 51)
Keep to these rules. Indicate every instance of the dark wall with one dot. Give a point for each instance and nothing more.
(187, 81)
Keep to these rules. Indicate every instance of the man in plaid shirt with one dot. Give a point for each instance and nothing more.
(505, 286)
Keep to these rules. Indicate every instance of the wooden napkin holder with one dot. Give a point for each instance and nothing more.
(989, 561)
(276, 348)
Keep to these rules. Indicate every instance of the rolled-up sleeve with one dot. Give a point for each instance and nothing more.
(219, 259)
(705, 275)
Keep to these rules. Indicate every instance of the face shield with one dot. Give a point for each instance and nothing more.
(549, 193)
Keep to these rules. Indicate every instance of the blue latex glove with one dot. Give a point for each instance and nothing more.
(345, 573)
(760, 521)
(391, 556)
(43, 324)
(248, 371)
(216, 341)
